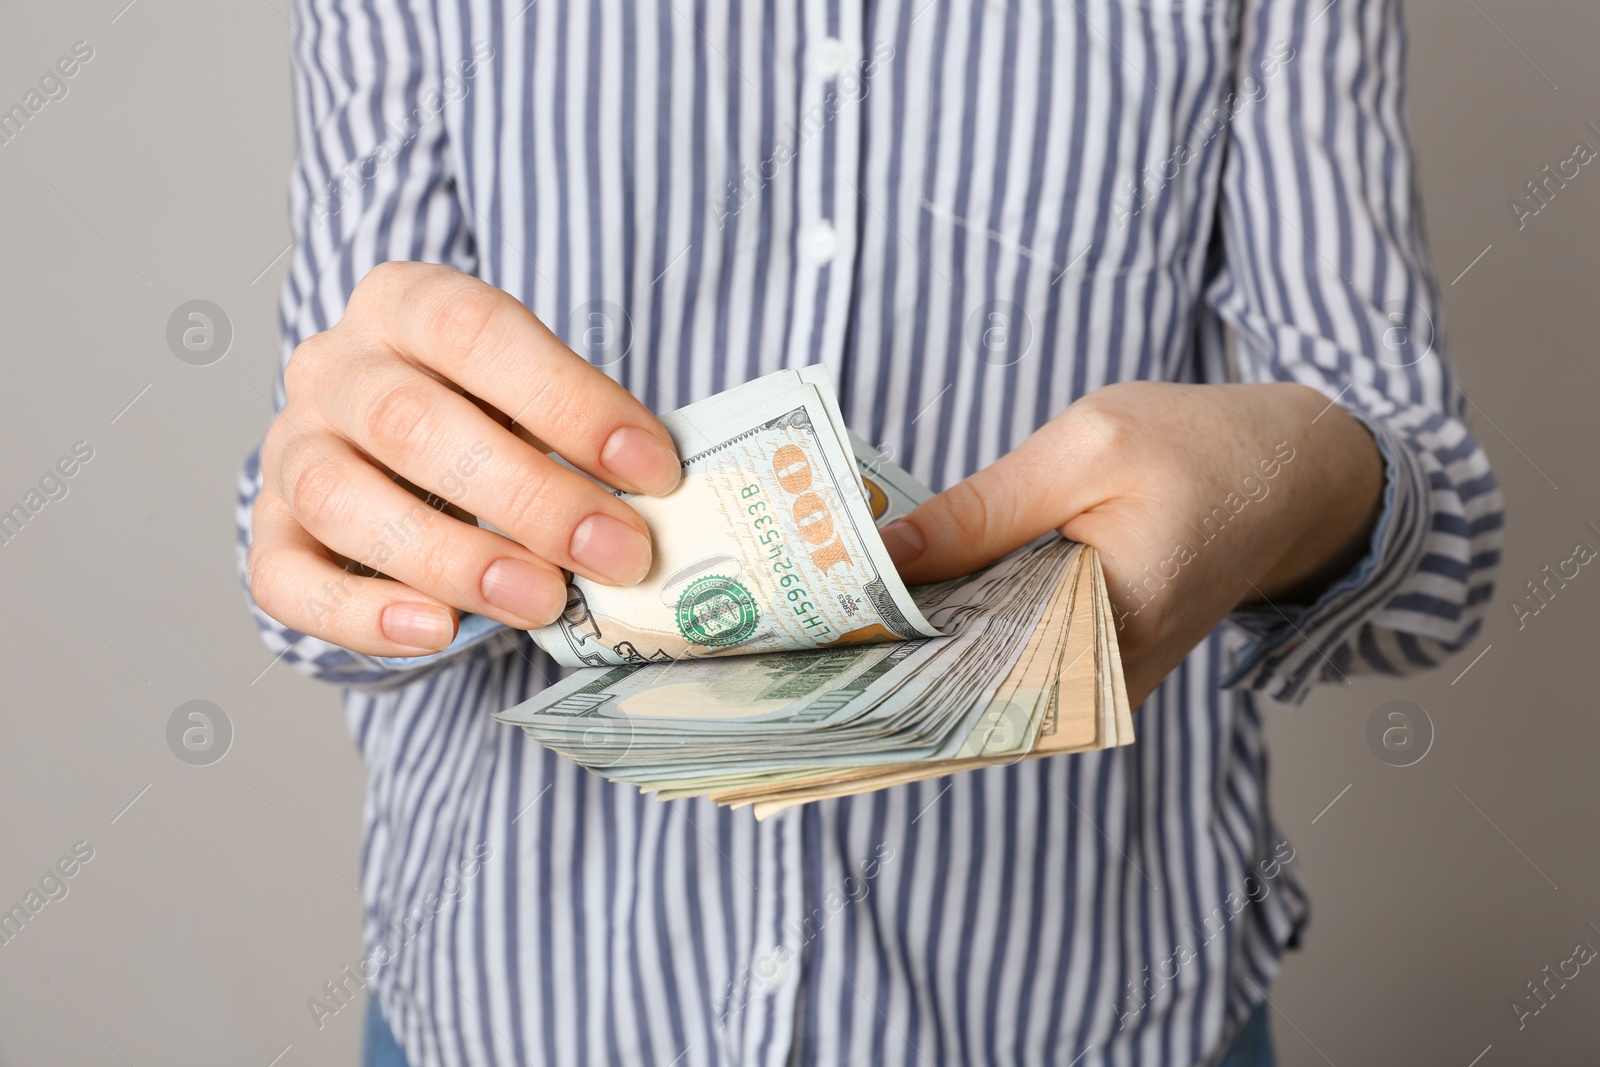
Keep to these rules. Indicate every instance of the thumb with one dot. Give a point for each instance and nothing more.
(976, 521)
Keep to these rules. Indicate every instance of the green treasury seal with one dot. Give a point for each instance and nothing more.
(717, 611)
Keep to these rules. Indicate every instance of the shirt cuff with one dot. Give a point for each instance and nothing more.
(1296, 646)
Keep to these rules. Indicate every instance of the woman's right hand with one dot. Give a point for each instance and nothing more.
(435, 377)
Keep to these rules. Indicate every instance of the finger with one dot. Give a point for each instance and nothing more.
(293, 579)
(442, 442)
(486, 341)
(351, 508)
(1035, 488)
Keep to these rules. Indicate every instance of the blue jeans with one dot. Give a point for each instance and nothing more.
(378, 1046)
(1252, 1048)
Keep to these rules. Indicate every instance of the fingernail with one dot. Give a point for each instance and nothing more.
(418, 626)
(611, 549)
(640, 459)
(904, 542)
(519, 588)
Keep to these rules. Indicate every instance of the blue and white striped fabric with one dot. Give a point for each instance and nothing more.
(879, 186)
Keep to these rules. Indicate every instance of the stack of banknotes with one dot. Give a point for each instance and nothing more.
(772, 656)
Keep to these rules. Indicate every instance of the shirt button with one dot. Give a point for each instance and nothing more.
(772, 968)
(829, 57)
(824, 240)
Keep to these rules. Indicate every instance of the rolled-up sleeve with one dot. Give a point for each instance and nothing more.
(373, 181)
(1325, 281)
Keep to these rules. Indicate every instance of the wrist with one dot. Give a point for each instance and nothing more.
(1335, 502)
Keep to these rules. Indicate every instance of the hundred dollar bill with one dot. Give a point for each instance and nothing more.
(768, 544)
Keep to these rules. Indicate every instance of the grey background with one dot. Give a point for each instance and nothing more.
(224, 896)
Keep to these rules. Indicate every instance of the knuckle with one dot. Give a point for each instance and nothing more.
(316, 493)
(1109, 432)
(273, 447)
(1119, 431)
(260, 515)
(460, 322)
(399, 414)
(266, 582)
(383, 279)
(387, 271)
(435, 565)
(554, 399)
(301, 372)
(972, 513)
(282, 441)
(527, 502)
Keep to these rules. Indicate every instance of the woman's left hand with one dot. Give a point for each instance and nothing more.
(1200, 498)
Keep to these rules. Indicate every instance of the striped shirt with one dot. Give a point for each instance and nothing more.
(971, 212)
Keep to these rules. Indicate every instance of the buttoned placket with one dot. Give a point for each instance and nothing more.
(831, 103)
(827, 204)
